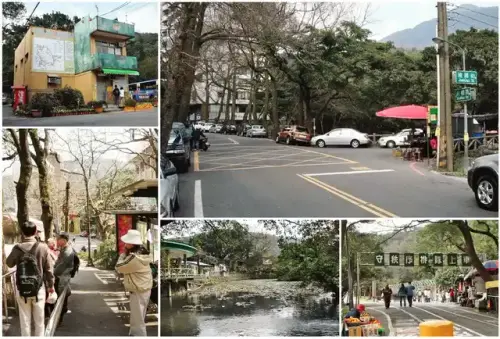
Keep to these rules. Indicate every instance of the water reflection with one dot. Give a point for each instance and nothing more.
(243, 314)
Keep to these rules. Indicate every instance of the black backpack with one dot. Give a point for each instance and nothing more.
(76, 264)
(28, 275)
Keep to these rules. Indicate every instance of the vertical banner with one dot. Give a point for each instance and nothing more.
(423, 259)
(379, 259)
(452, 259)
(438, 259)
(393, 259)
(124, 224)
(409, 259)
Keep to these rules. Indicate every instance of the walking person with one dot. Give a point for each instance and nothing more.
(122, 97)
(402, 295)
(134, 264)
(63, 269)
(54, 253)
(116, 95)
(409, 293)
(196, 138)
(34, 277)
(387, 294)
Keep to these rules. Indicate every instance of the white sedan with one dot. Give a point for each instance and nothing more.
(341, 137)
(399, 139)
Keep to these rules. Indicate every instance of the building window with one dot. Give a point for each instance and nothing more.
(243, 96)
(108, 48)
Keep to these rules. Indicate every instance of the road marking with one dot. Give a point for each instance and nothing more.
(463, 316)
(233, 141)
(348, 172)
(360, 168)
(389, 322)
(461, 309)
(100, 279)
(412, 166)
(328, 155)
(350, 198)
(455, 324)
(271, 166)
(196, 161)
(198, 202)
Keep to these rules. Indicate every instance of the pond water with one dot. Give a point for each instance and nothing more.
(248, 314)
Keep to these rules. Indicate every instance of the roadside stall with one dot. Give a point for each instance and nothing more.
(365, 326)
(492, 296)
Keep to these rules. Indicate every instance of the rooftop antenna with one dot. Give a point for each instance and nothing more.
(126, 16)
(97, 9)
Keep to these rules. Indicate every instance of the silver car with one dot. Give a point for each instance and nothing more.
(257, 131)
(341, 137)
(483, 180)
(169, 190)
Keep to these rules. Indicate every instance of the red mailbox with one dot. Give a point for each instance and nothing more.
(19, 96)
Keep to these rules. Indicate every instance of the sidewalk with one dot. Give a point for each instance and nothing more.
(98, 308)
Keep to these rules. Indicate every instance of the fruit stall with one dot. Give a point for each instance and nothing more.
(365, 326)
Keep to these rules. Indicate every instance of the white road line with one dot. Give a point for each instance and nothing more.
(463, 316)
(233, 141)
(455, 324)
(198, 202)
(100, 279)
(472, 312)
(347, 173)
(389, 322)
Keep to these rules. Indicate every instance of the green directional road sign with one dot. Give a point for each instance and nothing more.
(452, 259)
(379, 259)
(409, 259)
(465, 260)
(393, 259)
(465, 94)
(437, 259)
(423, 259)
(465, 77)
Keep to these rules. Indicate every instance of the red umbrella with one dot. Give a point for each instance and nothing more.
(412, 112)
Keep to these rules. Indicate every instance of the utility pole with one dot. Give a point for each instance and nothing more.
(66, 209)
(349, 268)
(450, 147)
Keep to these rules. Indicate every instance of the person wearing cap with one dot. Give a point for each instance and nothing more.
(134, 264)
(63, 268)
(31, 310)
(355, 312)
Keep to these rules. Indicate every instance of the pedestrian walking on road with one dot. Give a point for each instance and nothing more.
(409, 293)
(34, 276)
(54, 253)
(63, 269)
(122, 97)
(402, 295)
(134, 264)
(116, 95)
(387, 294)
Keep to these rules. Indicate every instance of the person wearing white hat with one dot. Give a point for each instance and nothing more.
(134, 264)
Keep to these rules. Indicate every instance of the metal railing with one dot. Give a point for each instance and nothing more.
(180, 273)
(55, 316)
(474, 143)
(6, 289)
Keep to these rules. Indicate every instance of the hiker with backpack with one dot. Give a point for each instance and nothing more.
(135, 265)
(34, 276)
(64, 269)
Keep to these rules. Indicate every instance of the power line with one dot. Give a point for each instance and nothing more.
(116, 9)
(477, 12)
(471, 18)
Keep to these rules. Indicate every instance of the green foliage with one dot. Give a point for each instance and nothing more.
(129, 102)
(447, 276)
(95, 104)
(44, 102)
(145, 49)
(106, 254)
(69, 97)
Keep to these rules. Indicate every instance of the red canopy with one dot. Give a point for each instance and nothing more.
(413, 112)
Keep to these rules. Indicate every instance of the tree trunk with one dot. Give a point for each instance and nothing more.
(349, 270)
(221, 102)
(228, 103)
(22, 185)
(40, 158)
(471, 250)
(206, 107)
(275, 117)
(235, 97)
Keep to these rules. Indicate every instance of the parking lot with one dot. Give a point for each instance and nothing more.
(246, 177)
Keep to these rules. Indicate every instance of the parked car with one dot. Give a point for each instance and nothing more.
(399, 139)
(84, 234)
(257, 131)
(5, 99)
(245, 129)
(179, 152)
(341, 137)
(199, 125)
(483, 180)
(169, 190)
(294, 135)
(228, 129)
(212, 129)
(207, 127)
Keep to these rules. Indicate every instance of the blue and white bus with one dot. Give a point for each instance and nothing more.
(144, 90)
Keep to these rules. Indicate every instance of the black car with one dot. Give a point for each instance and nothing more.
(483, 180)
(179, 151)
(228, 129)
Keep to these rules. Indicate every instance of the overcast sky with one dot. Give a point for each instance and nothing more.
(382, 226)
(144, 15)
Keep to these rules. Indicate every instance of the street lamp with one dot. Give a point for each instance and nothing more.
(439, 41)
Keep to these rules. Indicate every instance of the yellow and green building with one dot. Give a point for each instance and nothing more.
(93, 58)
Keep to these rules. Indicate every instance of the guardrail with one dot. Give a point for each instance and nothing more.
(6, 288)
(180, 273)
(55, 316)
(487, 141)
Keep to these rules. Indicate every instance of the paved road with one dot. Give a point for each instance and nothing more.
(243, 177)
(116, 119)
(403, 321)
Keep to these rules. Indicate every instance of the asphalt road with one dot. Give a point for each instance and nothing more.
(113, 119)
(404, 321)
(243, 177)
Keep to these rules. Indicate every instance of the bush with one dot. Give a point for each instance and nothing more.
(106, 253)
(129, 102)
(69, 97)
(44, 102)
(95, 104)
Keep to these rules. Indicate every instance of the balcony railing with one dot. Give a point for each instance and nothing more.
(113, 61)
(114, 27)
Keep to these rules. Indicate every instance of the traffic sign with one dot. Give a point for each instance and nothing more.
(432, 116)
(465, 77)
(465, 94)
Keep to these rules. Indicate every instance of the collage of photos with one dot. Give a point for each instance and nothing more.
(249, 169)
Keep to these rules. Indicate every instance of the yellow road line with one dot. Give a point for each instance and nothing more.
(196, 161)
(375, 210)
